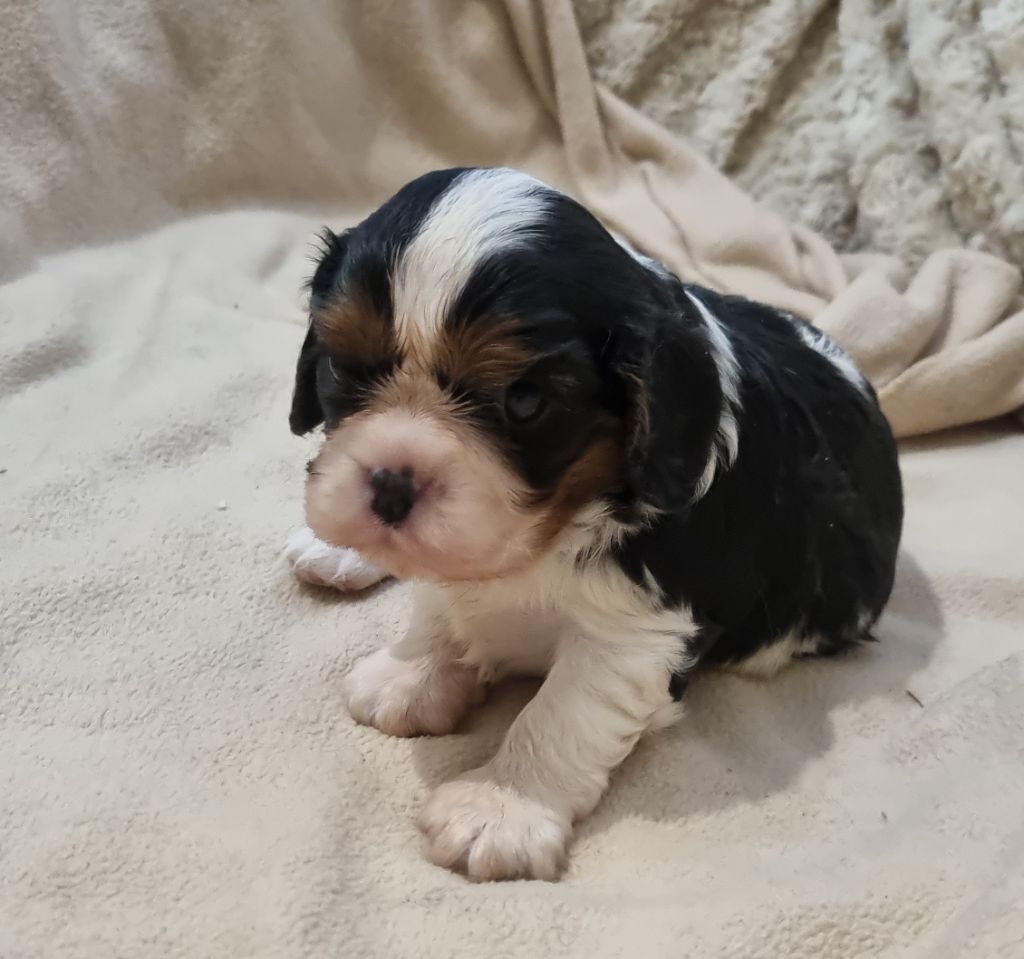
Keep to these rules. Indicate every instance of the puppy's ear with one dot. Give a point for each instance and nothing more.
(306, 412)
(673, 401)
(330, 259)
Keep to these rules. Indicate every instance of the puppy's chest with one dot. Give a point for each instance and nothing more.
(514, 627)
(508, 640)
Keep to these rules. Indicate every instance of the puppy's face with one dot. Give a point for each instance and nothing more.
(464, 356)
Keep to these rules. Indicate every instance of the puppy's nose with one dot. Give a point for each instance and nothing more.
(393, 494)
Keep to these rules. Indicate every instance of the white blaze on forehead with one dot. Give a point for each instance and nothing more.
(483, 211)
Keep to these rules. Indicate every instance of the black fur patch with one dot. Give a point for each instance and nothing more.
(801, 534)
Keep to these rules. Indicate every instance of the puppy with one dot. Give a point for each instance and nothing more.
(593, 472)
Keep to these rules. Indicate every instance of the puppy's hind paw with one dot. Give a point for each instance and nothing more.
(321, 564)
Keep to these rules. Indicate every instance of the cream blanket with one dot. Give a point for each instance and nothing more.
(178, 776)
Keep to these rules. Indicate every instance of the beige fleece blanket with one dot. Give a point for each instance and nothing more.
(178, 776)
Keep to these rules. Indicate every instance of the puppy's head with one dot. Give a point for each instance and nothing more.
(489, 362)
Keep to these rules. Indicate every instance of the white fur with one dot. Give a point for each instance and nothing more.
(321, 564)
(482, 212)
(727, 439)
(770, 659)
(608, 658)
(655, 266)
(822, 343)
(418, 685)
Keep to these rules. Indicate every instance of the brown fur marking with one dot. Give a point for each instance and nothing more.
(601, 468)
(483, 356)
(413, 390)
(355, 332)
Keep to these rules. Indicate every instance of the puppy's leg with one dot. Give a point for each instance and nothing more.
(321, 564)
(418, 685)
(513, 817)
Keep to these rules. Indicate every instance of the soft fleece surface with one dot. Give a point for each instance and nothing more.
(178, 776)
(886, 124)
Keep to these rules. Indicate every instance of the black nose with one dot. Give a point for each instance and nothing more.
(393, 494)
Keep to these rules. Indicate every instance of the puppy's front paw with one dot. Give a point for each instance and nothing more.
(488, 831)
(410, 697)
(321, 564)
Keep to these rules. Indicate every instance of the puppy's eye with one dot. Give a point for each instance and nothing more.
(334, 372)
(524, 403)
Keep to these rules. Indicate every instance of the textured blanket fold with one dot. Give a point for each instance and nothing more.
(178, 776)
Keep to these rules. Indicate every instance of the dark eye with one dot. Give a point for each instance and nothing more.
(524, 402)
(334, 371)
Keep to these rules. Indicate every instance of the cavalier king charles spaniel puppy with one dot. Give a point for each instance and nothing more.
(592, 471)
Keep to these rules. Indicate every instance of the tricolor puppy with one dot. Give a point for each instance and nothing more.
(594, 472)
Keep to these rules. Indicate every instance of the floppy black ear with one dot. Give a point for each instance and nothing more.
(673, 399)
(329, 261)
(306, 412)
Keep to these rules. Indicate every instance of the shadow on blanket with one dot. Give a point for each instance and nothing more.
(741, 739)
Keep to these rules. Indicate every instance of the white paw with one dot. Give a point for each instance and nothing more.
(487, 831)
(411, 697)
(318, 563)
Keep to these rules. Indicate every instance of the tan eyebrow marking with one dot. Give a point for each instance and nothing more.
(354, 332)
(484, 355)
